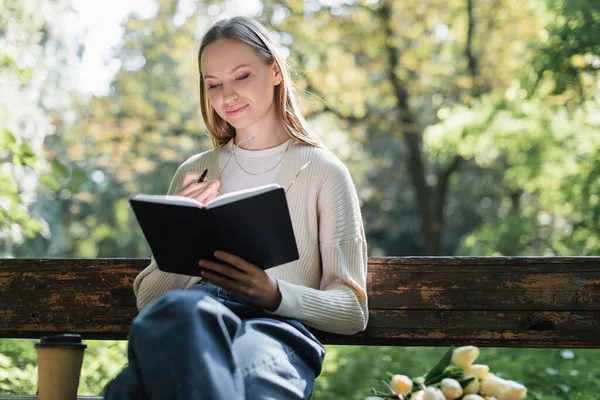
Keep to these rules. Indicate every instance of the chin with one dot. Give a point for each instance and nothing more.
(241, 124)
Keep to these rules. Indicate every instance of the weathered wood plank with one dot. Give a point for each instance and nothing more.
(415, 328)
(34, 397)
(453, 287)
(490, 301)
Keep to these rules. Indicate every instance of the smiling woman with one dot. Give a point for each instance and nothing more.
(244, 328)
(244, 92)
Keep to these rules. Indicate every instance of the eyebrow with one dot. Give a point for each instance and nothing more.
(231, 72)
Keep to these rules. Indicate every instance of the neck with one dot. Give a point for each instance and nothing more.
(268, 132)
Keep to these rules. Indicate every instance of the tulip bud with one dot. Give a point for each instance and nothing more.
(494, 386)
(401, 384)
(472, 387)
(464, 356)
(451, 388)
(515, 391)
(479, 371)
(472, 397)
(432, 393)
(420, 395)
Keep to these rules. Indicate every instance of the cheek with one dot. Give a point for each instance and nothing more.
(214, 99)
(216, 102)
(264, 92)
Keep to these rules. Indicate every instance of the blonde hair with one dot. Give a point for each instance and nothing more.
(253, 34)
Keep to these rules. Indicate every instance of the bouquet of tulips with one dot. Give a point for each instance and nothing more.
(454, 377)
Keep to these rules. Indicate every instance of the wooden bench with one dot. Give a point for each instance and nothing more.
(549, 302)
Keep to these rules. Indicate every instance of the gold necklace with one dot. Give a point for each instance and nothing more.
(264, 172)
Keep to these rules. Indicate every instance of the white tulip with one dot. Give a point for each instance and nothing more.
(420, 395)
(515, 391)
(472, 397)
(494, 386)
(432, 393)
(401, 384)
(472, 387)
(479, 371)
(464, 356)
(451, 388)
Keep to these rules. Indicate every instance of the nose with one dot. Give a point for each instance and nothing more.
(229, 94)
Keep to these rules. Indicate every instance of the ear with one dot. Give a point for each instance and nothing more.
(277, 77)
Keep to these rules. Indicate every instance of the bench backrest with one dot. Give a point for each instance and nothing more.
(429, 301)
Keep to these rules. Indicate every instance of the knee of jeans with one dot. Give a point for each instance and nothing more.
(181, 305)
(171, 304)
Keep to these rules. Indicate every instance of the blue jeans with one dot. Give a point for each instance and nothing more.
(203, 343)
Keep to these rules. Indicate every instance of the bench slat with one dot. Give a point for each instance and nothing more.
(34, 397)
(431, 301)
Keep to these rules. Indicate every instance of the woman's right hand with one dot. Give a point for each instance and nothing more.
(202, 192)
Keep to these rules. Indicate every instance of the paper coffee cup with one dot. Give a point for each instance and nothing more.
(59, 360)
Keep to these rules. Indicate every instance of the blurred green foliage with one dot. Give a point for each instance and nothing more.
(461, 141)
(549, 374)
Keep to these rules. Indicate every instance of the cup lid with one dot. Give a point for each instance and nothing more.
(71, 340)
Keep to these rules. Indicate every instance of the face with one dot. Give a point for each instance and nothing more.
(239, 83)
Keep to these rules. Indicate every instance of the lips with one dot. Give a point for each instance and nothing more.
(233, 111)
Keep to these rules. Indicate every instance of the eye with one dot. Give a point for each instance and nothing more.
(214, 86)
(241, 78)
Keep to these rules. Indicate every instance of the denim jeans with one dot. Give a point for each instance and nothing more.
(203, 343)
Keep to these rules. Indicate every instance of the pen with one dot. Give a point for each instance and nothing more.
(203, 176)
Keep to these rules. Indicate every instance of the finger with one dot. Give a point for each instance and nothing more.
(190, 177)
(193, 189)
(203, 195)
(213, 196)
(223, 270)
(236, 261)
(233, 287)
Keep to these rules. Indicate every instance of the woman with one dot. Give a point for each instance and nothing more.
(239, 331)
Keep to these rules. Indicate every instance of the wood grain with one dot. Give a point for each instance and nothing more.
(413, 301)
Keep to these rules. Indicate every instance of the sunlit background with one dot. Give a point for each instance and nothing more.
(470, 127)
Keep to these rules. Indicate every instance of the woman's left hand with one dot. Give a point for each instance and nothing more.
(242, 279)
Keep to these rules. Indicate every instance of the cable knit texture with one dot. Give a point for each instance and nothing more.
(326, 287)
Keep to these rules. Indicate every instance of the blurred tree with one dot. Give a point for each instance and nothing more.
(541, 132)
(567, 58)
(130, 141)
(387, 71)
(381, 74)
(32, 51)
(467, 125)
(549, 158)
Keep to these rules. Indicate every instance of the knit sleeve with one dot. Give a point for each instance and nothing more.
(340, 304)
(152, 282)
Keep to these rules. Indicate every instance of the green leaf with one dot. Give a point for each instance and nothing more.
(465, 381)
(384, 395)
(388, 385)
(441, 365)
(59, 168)
(7, 139)
(28, 156)
(50, 182)
(437, 378)
(7, 61)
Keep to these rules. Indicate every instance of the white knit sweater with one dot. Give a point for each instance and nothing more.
(326, 287)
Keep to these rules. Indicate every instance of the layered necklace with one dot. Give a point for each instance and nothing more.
(245, 170)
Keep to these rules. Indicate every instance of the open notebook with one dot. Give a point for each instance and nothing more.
(253, 224)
